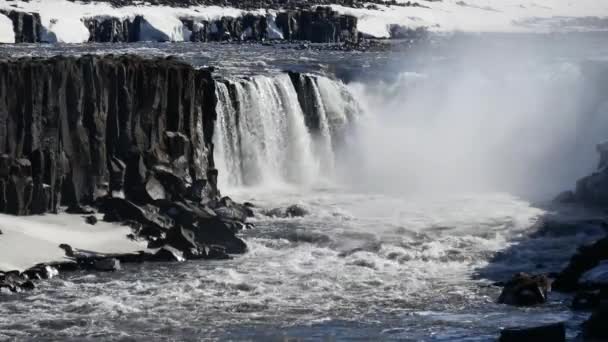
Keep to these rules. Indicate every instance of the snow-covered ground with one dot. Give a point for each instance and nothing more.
(63, 20)
(27, 241)
(486, 16)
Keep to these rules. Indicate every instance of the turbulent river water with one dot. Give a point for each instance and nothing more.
(418, 170)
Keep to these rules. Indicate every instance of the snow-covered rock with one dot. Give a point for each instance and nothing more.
(7, 35)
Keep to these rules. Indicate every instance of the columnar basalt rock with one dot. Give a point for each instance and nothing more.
(73, 130)
(27, 26)
(320, 25)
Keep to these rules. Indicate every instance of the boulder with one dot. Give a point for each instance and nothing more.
(552, 332)
(596, 277)
(92, 220)
(41, 272)
(525, 290)
(28, 285)
(181, 238)
(168, 253)
(587, 258)
(287, 212)
(214, 231)
(587, 300)
(107, 265)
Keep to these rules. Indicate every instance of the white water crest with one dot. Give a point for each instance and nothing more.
(261, 135)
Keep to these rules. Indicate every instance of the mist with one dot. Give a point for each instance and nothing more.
(519, 115)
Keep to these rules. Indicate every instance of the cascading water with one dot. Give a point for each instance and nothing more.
(264, 135)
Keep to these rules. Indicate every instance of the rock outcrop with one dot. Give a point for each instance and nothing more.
(75, 130)
(128, 136)
(27, 26)
(525, 290)
(319, 25)
(586, 259)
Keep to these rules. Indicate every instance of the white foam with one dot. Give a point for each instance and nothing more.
(27, 241)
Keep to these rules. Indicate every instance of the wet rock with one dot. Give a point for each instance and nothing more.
(107, 265)
(27, 285)
(231, 210)
(181, 238)
(291, 211)
(168, 253)
(92, 220)
(525, 290)
(41, 272)
(587, 258)
(214, 231)
(552, 332)
(565, 197)
(296, 211)
(596, 277)
(595, 328)
(152, 222)
(587, 300)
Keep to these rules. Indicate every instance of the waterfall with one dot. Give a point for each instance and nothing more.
(262, 134)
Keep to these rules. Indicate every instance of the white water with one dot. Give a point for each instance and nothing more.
(262, 138)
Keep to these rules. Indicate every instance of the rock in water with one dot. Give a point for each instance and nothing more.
(553, 332)
(586, 259)
(107, 265)
(27, 285)
(596, 327)
(525, 290)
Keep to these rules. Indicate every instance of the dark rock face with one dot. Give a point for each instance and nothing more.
(593, 189)
(595, 328)
(114, 30)
(552, 332)
(27, 26)
(107, 265)
(322, 25)
(587, 258)
(525, 290)
(73, 131)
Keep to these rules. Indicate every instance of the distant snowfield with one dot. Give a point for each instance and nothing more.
(27, 241)
(62, 19)
(486, 16)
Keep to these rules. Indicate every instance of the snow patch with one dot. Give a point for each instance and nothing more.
(7, 35)
(27, 241)
(483, 16)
